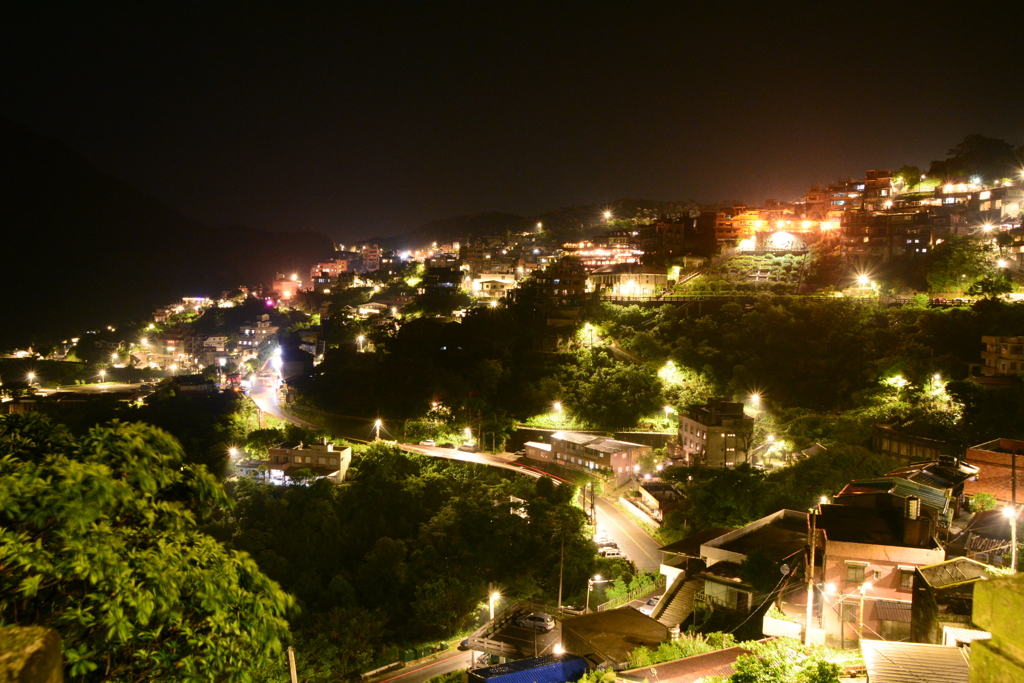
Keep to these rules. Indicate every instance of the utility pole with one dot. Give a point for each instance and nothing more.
(561, 566)
(810, 578)
(291, 665)
(1013, 470)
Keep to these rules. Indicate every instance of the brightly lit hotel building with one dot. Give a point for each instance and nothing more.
(594, 256)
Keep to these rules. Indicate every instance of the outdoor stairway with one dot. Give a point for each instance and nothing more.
(677, 603)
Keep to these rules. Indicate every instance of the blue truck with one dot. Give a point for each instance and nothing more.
(561, 668)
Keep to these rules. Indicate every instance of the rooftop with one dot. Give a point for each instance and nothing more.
(897, 662)
(953, 572)
(575, 437)
(780, 538)
(690, 545)
(690, 669)
(614, 634)
(852, 524)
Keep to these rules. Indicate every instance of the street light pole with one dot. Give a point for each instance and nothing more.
(860, 612)
(1010, 513)
(810, 579)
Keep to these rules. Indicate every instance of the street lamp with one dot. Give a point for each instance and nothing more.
(376, 425)
(557, 406)
(103, 375)
(31, 378)
(590, 586)
(490, 602)
(360, 339)
(1010, 513)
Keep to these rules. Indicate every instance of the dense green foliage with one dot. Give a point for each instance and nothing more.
(783, 660)
(687, 645)
(407, 551)
(99, 540)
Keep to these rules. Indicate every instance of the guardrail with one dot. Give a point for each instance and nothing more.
(659, 582)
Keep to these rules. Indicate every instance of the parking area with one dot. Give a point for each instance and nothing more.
(510, 634)
(530, 642)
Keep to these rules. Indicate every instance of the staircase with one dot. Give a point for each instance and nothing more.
(677, 603)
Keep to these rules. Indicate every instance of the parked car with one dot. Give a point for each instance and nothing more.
(427, 442)
(575, 610)
(521, 453)
(538, 621)
(609, 553)
(608, 543)
(648, 607)
(464, 645)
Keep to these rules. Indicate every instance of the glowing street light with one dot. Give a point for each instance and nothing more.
(863, 280)
(607, 215)
(1010, 513)
(557, 406)
(376, 426)
(232, 452)
(590, 586)
(1001, 263)
(103, 375)
(360, 339)
(492, 598)
(31, 378)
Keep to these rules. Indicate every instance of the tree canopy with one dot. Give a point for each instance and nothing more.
(99, 540)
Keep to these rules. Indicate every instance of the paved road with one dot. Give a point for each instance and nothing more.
(104, 388)
(265, 399)
(636, 543)
(456, 661)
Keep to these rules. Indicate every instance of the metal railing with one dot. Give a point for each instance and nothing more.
(659, 582)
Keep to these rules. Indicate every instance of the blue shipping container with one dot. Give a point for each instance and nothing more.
(563, 668)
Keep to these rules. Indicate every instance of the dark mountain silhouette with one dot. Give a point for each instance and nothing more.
(81, 249)
(564, 223)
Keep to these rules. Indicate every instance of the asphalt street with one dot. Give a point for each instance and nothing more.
(634, 542)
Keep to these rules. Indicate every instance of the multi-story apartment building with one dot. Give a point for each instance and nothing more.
(716, 434)
(870, 557)
(628, 280)
(877, 190)
(1002, 355)
(320, 458)
(613, 458)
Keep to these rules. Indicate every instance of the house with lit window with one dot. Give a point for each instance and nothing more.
(866, 578)
(1002, 356)
(320, 458)
(597, 453)
(716, 434)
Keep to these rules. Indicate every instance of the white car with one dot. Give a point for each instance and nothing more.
(648, 607)
(538, 621)
(427, 442)
(610, 552)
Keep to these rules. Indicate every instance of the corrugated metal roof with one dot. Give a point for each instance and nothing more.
(951, 572)
(893, 610)
(575, 437)
(563, 667)
(951, 635)
(895, 662)
(931, 497)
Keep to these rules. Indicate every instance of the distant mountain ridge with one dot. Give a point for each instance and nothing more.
(564, 223)
(82, 249)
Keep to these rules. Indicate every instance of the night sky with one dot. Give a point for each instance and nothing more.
(363, 119)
